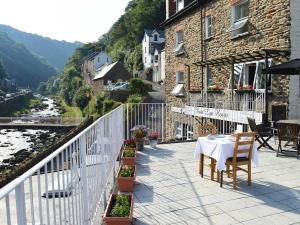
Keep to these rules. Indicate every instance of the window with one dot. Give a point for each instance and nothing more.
(156, 58)
(179, 43)
(208, 27)
(145, 50)
(179, 78)
(184, 131)
(155, 37)
(240, 13)
(209, 76)
(145, 60)
(180, 5)
(98, 59)
(107, 59)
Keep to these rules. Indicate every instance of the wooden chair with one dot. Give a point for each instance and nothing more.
(243, 145)
(262, 134)
(203, 131)
(289, 133)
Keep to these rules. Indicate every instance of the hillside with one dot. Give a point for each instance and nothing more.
(55, 52)
(21, 64)
(3, 72)
(122, 42)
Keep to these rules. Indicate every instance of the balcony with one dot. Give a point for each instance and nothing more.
(71, 186)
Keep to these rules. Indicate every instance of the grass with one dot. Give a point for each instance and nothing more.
(70, 111)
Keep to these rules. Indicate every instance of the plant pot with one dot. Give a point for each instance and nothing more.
(126, 184)
(109, 220)
(139, 143)
(153, 143)
(130, 161)
(131, 147)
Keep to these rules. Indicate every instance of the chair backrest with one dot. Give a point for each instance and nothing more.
(204, 130)
(252, 124)
(244, 145)
(288, 132)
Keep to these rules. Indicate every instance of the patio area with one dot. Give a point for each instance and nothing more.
(169, 190)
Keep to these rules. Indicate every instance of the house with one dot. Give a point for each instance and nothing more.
(10, 84)
(153, 46)
(110, 73)
(92, 63)
(294, 97)
(215, 51)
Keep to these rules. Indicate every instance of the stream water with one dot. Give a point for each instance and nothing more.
(14, 141)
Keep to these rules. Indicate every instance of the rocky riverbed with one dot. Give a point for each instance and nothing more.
(17, 144)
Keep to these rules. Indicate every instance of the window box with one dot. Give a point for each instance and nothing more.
(215, 89)
(245, 89)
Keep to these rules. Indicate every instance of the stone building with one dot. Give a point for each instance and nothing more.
(92, 63)
(215, 52)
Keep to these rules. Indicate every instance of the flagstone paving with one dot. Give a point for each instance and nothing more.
(169, 190)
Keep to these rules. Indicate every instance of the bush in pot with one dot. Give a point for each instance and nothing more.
(126, 178)
(129, 144)
(153, 138)
(129, 157)
(119, 210)
(139, 132)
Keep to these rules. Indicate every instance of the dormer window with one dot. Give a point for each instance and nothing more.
(240, 13)
(179, 5)
(155, 37)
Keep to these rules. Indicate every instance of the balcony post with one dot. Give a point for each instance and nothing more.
(20, 204)
(85, 204)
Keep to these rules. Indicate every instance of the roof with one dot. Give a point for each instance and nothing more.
(158, 46)
(113, 70)
(150, 32)
(92, 55)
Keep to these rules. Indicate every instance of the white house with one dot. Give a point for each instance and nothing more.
(153, 45)
(294, 96)
(94, 62)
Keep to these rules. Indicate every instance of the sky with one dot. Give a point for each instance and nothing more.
(69, 20)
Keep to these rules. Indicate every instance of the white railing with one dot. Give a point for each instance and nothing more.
(254, 101)
(180, 122)
(68, 186)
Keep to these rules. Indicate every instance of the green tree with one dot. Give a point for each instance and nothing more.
(82, 97)
(3, 72)
(42, 88)
(136, 86)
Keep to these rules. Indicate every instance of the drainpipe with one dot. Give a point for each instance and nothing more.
(202, 47)
(266, 89)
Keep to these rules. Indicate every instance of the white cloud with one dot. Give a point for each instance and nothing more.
(70, 20)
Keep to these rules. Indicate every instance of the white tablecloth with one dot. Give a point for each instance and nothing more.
(220, 147)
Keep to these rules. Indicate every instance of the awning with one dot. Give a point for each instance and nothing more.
(179, 49)
(239, 25)
(178, 90)
(289, 68)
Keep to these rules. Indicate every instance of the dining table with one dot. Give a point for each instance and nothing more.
(220, 148)
(289, 122)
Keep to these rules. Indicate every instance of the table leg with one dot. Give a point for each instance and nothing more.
(212, 168)
(201, 164)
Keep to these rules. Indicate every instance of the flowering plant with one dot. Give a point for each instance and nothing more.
(139, 131)
(245, 87)
(154, 135)
(214, 88)
(129, 143)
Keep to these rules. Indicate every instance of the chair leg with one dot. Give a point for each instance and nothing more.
(234, 176)
(249, 174)
(201, 165)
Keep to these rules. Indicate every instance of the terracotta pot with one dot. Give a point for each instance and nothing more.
(127, 148)
(130, 161)
(126, 184)
(117, 220)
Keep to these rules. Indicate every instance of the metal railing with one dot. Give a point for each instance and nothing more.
(253, 101)
(69, 185)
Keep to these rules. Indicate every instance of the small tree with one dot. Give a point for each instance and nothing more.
(136, 86)
(82, 97)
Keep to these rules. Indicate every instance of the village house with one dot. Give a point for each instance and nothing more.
(109, 74)
(92, 63)
(215, 52)
(153, 53)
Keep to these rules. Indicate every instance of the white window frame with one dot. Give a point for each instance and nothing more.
(179, 37)
(238, 24)
(208, 27)
(179, 5)
(208, 72)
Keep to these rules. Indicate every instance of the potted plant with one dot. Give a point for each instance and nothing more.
(215, 89)
(129, 157)
(245, 89)
(119, 209)
(153, 138)
(129, 144)
(139, 132)
(126, 178)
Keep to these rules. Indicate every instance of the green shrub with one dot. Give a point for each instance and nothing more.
(135, 98)
(136, 86)
(129, 153)
(82, 97)
(127, 171)
(121, 207)
(109, 105)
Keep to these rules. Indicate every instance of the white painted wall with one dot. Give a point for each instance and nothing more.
(163, 65)
(101, 59)
(294, 96)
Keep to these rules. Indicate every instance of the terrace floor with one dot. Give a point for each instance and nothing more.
(169, 190)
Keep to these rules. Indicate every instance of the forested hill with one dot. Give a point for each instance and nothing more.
(3, 72)
(55, 52)
(122, 42)
(20, 63)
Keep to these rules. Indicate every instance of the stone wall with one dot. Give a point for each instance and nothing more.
(294, 98)
(268, 29)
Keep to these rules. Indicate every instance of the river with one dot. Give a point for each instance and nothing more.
(15, 142)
